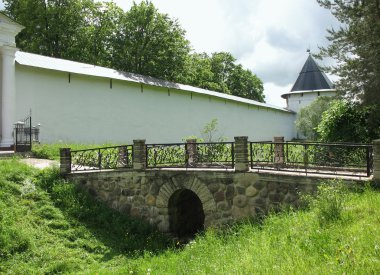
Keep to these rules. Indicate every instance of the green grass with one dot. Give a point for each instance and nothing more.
(49, 226)
(51, 151)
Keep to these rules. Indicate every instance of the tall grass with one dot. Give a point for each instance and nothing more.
(329, 201)
(47, 225)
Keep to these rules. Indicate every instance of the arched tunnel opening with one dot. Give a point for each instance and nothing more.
(186, 216)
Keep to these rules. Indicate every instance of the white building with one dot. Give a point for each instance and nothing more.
(82, 103)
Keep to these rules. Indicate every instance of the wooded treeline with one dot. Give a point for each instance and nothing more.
(141, 40)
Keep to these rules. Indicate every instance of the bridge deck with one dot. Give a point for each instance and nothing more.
(310, 173)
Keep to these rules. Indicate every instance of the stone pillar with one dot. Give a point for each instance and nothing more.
(139, 154)
(65, 160)
(279, 150)
(122, 157)
(8, 95)
(376, 161)
(241, 154)
(191, 152)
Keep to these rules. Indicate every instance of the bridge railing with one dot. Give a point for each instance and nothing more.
(112, 157)
(191, 155)
(314, 158)
(213, 155)
(166, 155)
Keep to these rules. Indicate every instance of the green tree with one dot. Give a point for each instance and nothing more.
(222, 66)
(150, 43)
(198, 72)
(345, 122)
(51, 27)
(95, 37)
(141, 40)
(245, 84)
(310, 116)
(356, 48)
(219, 72)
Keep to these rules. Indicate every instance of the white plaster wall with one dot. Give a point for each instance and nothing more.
(87, 110)
(299, 100)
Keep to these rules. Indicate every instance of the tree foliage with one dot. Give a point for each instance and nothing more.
(345, 122)
(243, 83)
(219, 72)
(141, 40)
(356, 48)
(310, 116)
(44, 21)
(150, 43)
(96, 46)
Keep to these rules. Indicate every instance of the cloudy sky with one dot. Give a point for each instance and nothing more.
(269, 37)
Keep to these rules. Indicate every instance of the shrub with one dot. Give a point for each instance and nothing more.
(346, 122)
(310, 116)
(329, 201)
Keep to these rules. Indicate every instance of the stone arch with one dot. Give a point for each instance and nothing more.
(186, 215)
(191, 183)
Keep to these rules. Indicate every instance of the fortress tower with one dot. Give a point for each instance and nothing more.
(310, 84)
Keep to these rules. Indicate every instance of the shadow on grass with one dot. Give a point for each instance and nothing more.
(114, 232)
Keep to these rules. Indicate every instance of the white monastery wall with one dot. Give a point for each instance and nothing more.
(87, 110)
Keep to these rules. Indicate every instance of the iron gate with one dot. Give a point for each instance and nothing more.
(23, 135)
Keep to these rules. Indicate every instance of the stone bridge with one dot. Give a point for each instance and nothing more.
(185, 201)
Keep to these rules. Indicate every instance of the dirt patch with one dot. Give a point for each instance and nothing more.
(41, 163)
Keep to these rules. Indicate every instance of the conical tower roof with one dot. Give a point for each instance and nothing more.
(311, 78)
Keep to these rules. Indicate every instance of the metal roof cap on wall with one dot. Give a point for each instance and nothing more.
(50, 63)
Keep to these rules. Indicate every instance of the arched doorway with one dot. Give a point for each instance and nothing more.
(186, 216)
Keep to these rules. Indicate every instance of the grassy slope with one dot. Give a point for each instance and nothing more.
(47, 225)
(56, 228)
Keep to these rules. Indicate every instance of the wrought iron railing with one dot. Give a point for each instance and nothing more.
(191, 155)
(319, 158)
(102, 158)
(166, 155)
(212, 154)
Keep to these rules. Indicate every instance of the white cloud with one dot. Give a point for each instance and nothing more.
(269, 37)
(273, 94)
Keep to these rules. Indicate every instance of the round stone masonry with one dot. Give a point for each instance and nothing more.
(225, 196)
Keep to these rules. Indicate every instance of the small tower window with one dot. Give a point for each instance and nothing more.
(319, 93)
(301, 94)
